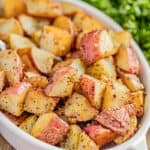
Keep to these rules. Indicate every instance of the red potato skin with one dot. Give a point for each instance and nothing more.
(99, 134)
(89, 47)
(131, 109)
(117, 120)
(87, 87)
(55, 131)
(56, 76)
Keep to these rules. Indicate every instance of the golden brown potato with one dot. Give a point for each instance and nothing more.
(99, 134)
(86, 23)
(42, 60)
(72, 139)
(92, 89)
(20, 43)
(78, 108)
(8, 27)
(65, 23)
(2, 80)
(78, 40)
(137, 98)
(103, 67)
(69, 9)
(131, 131)
(11, 8)
(36, 37)
(28, 123)
(36, 80)
(62, 83)
(126, 59)
(50, 40)
(11, 63)
(12, 99)
(116, 95)
(43, 8)
(85, 143)
(37, 103)
(50, 128)
(131, 81)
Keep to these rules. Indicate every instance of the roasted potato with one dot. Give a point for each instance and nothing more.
(99, 134)
(92, 89)
(103, 67)
(131, 131)
(131, 81)
(50, 128)
(69, 9)
(62, 82)
(12, 99)
(2, 80)
(20, 43)
(11, 63)
(36, 36)
(36, 80)
(43, 8)
(115, 95)
(11, 8)
(65, 23)
(78, 41)
(37, 103)
(137, 99)
(42, 60)
(78, 108)
(85, 143)
(117, 120)
(85, 23)
(127, 60)
(72, 139)
(8, 27)
(28, 123)
(50, 40)
(96, 44)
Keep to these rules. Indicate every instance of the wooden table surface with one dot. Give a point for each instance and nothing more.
(5, 145)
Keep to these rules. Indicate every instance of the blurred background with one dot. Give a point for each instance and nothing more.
(132, 15)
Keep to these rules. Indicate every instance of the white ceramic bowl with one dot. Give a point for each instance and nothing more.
(22, 141)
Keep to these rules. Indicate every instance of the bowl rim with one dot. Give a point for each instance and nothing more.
(146, 73)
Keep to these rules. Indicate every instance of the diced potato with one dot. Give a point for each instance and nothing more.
(117, 120)
(69, 9)
(127, 60)
(78, 108)
(65, 23)
(12, 99)
(42, 60)
(11, 63)
(50, 128)
(36, 80)
(85, 143)
(99, 134)
(96, 44)
(50, 40)
(37, 103)
(11, 8)
(92, 89)
(86, 23)
(2, 80)
(36, 36)
(131, 131)
(137, 99)
(103, 67)
(121, 37)
(43, 8)
(8, 27)
(28, 123)
(78, 40)
(73, 55)
(72, 139)
(62, 82)
(116, 95)
(20, 43)
(17, 120)
(131, 81)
